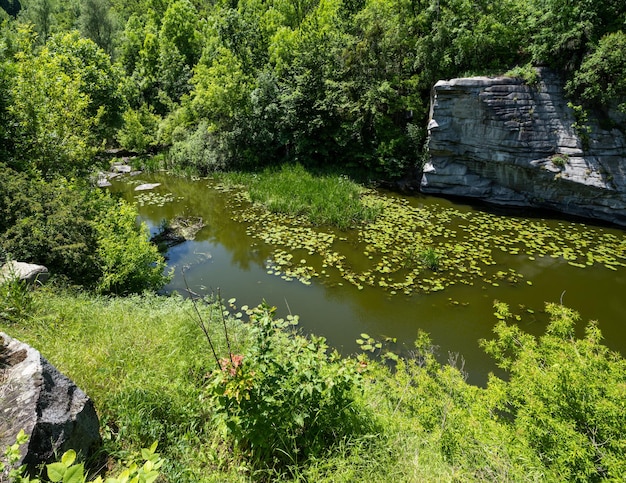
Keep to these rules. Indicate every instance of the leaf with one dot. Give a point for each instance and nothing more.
(74, 474)
(21, 437)
(68, 458)
(56, 471)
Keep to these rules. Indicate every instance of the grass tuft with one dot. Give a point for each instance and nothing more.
(292, 190)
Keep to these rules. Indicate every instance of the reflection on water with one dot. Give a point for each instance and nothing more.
(223, 256)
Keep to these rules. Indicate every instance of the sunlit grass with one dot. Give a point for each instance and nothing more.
(323, 199)
(144, 361)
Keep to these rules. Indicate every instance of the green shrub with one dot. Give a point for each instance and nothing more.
(197, 150)
(128, 262)
(286, 399)
(559, 160)
(527, 72)
(564, 397)
(77, 232)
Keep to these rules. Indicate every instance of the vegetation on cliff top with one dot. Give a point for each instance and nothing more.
(244, 84)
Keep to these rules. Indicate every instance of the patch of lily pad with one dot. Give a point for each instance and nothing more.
(389, 253)
(152, 198)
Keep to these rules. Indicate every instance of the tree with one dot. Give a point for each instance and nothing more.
(65, 99)
(563, 32)
(601, 78)
(40, 13)
(97, 23)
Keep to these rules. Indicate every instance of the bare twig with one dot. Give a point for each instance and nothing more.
(201, 321)
(230, 352)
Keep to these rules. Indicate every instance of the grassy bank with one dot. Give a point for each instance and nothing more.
(292, 190)
(282, 407)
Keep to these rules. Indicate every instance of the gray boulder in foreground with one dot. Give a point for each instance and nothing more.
(35, 397)
(508, 143)
(29, 272)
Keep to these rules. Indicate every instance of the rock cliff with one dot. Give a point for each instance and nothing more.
(35, 397)
(509, 143)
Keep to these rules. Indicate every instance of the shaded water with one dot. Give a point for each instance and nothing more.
(226, 257)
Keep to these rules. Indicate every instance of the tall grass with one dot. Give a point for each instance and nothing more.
(144, 360)
(323, 199)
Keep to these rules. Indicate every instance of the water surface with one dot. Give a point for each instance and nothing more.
(226, 256)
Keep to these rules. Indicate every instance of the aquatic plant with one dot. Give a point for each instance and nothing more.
(431, 259)
(322, 200)
(409, 249)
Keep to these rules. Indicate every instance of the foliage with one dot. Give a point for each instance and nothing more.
(128, 262)
(563, 32)
(197, 151)
(564, 396)
(15, 300)
(67, 470)
(431, 259)
(98, 23)
(556, 416)
(332, 200)
(53, 131)
(139, 131)
(64, 99)
(559, 160)
(527, 72)
(288, 387)
(601, 78)
(581, 123)
(77, 232)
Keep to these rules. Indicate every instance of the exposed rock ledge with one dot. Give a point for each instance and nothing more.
(35, 397)
(504, 142)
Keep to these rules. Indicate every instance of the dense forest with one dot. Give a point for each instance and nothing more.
(230, 85)
(240, 84)
(333, 85)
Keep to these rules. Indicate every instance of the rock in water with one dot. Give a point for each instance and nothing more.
(147, 186)
(509, 143)
(35, 397)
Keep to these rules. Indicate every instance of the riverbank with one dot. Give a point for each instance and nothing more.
(146, 364)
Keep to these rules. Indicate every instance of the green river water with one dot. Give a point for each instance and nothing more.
(343, 284)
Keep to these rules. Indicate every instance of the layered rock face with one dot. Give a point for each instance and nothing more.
(37, 398)
(508, 143)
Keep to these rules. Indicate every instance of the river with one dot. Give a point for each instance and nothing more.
(230, 257)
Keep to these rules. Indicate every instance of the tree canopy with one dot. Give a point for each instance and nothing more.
(246, 83)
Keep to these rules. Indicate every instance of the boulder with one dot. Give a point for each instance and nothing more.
(35, 397)
(29, 272)
(178, 230)
(508, 143)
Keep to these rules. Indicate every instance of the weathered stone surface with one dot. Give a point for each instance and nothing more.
(36, 397)
(178, 231)
(147, 186)
(504, 142)
(28, 272)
